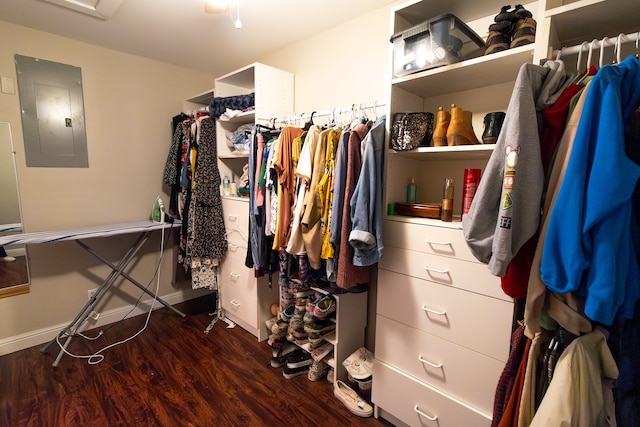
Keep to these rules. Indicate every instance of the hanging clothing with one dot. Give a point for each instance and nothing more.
(581, 394)
(593, 254)
(286, 181)
(499, 223)
(349, 275)
(209, 234)
(311, 218)
(536, 290)
(304, 171)
(366, 202)
(325, 188)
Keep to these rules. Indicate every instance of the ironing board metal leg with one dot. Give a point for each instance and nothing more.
(130, 279)
(116, 271)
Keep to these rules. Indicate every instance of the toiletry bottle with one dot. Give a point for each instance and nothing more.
(411, 191)
(447, 200)
(469, 187)
(226, 183)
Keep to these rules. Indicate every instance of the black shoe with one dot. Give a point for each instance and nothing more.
(289, 373)
(299, 360)
(492, 126)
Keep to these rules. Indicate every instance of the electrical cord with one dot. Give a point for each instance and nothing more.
(97, 357)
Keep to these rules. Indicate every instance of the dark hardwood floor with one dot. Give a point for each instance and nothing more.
(170, 375)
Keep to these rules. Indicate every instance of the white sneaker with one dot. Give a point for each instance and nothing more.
(352, 400)
(7, 259)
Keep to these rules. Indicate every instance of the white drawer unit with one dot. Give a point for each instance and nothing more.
(450, 272)
(471, 320)
(467, 375)
(432, 240)
(245, 299)
(415, 403)
(236, 220)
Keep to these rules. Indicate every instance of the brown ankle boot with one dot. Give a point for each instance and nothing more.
(439, 138)
(460, 131)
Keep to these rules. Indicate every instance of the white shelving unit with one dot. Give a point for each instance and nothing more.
(245, 299)
(443, 325)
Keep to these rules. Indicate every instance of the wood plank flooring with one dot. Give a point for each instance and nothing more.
(170, 375)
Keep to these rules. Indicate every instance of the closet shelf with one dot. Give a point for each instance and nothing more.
(242, 118)
(482, 71)
(458, 152)
(585, 20)
(234, 155)
(456, 224)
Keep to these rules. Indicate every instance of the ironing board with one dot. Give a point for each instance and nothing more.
(142, 228)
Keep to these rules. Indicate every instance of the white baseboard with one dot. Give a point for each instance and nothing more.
(42, 336)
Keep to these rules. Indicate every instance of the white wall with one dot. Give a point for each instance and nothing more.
(129, 102)
(340, 67)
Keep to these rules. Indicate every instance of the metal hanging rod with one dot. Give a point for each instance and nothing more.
(597, 44)
(355, 108)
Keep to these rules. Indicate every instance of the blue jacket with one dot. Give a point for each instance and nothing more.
(589, 247)
(366, 202)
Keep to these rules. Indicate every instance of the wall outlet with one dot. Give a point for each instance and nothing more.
(94, 315)
(91, 293)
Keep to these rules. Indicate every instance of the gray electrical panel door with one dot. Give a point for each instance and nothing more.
(52, 113)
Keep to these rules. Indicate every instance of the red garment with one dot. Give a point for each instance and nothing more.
(512, 411)
(508, 376)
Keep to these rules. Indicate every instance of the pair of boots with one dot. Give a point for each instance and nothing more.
(511, 29)
(453, 128)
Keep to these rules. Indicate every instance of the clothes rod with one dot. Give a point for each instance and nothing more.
(597, 44)
(341, 110)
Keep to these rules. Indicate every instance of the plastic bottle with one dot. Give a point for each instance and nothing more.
(226, 184)
(469, 187)
(411, 191)
(447, 200)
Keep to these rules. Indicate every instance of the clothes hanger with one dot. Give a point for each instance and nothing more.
(616, 48)
(590, 55)
(602, 46)
(308, 125)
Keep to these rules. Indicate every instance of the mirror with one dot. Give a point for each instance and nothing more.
(14, 272)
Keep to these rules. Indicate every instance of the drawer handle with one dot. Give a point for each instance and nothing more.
(432, 311)
(435, 270)
(233, 217)
(426, 362)
(235, 304)
(433, 242)
(234, 276)
(422, 414)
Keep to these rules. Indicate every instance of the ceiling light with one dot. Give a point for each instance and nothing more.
(238, 23)
(216, 6)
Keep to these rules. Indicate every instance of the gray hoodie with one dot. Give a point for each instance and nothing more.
(505, 211)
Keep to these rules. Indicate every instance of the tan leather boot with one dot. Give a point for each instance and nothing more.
(439, 138)
(460, 131)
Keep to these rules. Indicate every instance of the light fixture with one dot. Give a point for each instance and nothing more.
(216, 6)
(238, 22)
(219, 7)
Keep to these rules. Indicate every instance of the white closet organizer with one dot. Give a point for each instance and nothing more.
(245, 299)
(443, 324)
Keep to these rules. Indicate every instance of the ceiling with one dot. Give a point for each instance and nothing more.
(179, 32)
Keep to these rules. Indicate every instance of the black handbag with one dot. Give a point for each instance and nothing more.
(411, 130)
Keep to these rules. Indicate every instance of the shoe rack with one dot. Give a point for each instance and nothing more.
(443, 324)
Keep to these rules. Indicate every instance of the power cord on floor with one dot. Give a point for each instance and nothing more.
(97, 357)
